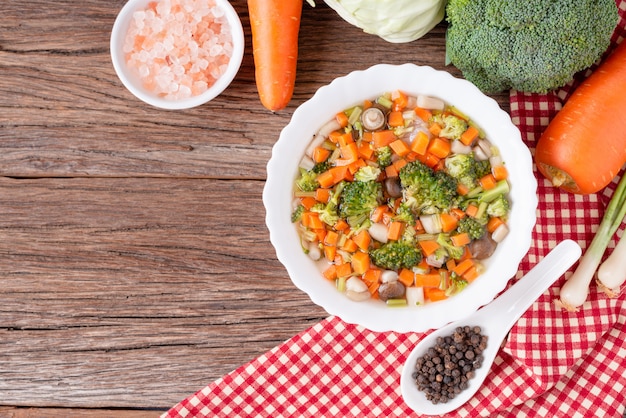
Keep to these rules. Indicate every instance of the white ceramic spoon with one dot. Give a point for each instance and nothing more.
(495, 321)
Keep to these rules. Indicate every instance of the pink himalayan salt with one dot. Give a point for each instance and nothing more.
(179, 48)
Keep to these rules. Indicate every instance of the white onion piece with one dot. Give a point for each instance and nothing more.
(356, 285)
(314, 251)
(414, 295)
(479, 153)
(315, 142)
(307, 163)
(378, 231)
(427, 102)
(500, 232)
(457, 147)
(486, 147)
(495, 160)
(431, 223)
(388, 276)
(328, 127)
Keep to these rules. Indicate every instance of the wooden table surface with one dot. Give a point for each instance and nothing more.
(135, 265)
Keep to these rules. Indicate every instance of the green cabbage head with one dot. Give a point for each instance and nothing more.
(395, 21)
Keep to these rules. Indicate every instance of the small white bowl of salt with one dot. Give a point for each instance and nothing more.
(177, 54)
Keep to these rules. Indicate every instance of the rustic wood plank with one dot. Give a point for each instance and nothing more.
(116, 291)
(11, 412)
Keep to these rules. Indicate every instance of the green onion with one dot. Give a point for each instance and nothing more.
(396, 303)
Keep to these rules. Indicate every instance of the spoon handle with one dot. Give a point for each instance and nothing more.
(509, 306)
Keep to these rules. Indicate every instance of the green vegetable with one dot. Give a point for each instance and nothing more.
(452, 250)
(394, 21)
(472, 226)
(499, 206)
(395, 255)
(575, 290)
(307, 181)
(530, 45)
(329, 212)
(466, 169)
(452, 126)
(383, 156)
(358, 200)
(428, 191)
(296, 215)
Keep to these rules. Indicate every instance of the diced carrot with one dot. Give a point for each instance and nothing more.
(493, 223)
(431, 160)
(448, 222)
(367, 104)
(459, 240)
(411, 156)
(377, 214)
(462, 189)
(467, 254)
(470, 134)
(399, 99)
(435, 129)
(344, 270)
(341, 225)
(342, 119)
(471, 210)
(308, 202)
(320, 154)
(331, 272)
(339, 173)
(363, 240)
(365, 151)
(349, 152)
(499, 172)
(395, 118)
(334, 136)
(462, 266)
(439, 147)
(383, 138)
(398, 164)
(420, 143)
(487, 181)
(373, 289)
(424, 266)
(423, 114)
(391, 171)
(434, 294)
(429, 246)
(330, 251)
(314, 221)
(320, 234)
(470, 274)
(326, 179)
(450, 264)
(428, 280)
(322, 195)
(406, 277)
(349, 246)
(372, 275)
(331, 238)
(458, 213)
(360, 262)
(400, 147)
(367, 136)
(396, 228)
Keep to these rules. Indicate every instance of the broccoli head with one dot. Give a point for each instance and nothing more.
(451, 126)
(307, 180)
(395, 255)
(452, 250)
(358, 200)
(472, 226)
(383, 156)
(466, 169)
(531, 45)
(427, 191)
(296, 214)
(329, 212)
(367, 173)
(499, 206)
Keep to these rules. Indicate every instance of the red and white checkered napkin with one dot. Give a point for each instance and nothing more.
(554, 363)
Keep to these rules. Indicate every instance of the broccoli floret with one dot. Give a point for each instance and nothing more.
(329, 212)
(395, 255)
(358, 200)
(383, 156)
(296, 215)
(404, 213)
(367, 173)
(307, 181)
(451, 126)
(452, 250)
(466, 169)
(321, 167)
(530, 45)
(427, 191)
(472, 226)
(499, 206)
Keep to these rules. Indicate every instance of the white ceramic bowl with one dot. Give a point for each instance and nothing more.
(133, 83)
(352, 89)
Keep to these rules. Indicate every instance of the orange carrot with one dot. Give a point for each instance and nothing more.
(493, 223)
(344, 270)
(331, 272)
(400, 100)
(423, 114)
(362, 240)
(350, 152)
(499, 172)
(435, 129)
(470, 134)
(459, 240)
(429, 246)
(400, 147)
(463, 266)
(308, 202)
(448, 222)
(320, 154)
(440, 147)
(383, 138)
(395, 230)
(372, 275)
(471, 274)
(472, 210)
(331, 238)
(275, 26)
(349, 245)
(487, 181)
(406, 277)
(360, 262)
(330, 251)
(341, 225)
(420, 143)
(322, 195)
(395, 118)
(427, 280)
(434, 294)
(577, 152)
(342, 119)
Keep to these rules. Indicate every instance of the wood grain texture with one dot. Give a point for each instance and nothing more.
(135, 265)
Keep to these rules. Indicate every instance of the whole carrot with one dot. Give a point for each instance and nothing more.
(275, 25)
(584, 146)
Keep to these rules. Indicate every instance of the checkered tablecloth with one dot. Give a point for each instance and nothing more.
(554, 363)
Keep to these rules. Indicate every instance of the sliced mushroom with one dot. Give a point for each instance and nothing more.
(392, 186)
(373, 118)
(391, 290)
(483, 247)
